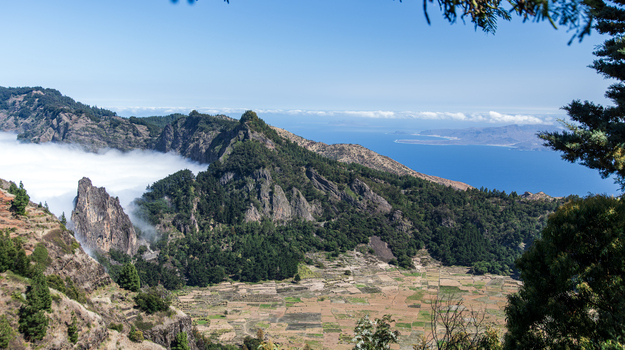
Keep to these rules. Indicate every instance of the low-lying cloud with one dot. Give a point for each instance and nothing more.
(50, 172)
(488, 117)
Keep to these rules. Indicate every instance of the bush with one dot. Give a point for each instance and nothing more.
(116, 326)
(135, 335)
(154, 300)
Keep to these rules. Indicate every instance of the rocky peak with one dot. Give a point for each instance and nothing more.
(100, 222)
(370, 200)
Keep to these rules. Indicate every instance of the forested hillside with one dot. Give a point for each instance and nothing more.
(255, 213)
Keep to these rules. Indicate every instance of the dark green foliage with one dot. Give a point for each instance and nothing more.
(52, 102)
(135, 335)
(181, 342)
(597, 138)
(22, 264)
(8, 252)
(6, 332)
(63, 220)
(116, 326)
(251, 343)
(13, 188)
(33, 322)
(457, 227)
(21, 200)
(72, 330)
(119, 256)
(73, 292)
(129, 278)
(155, 299)
(40, 255)
(56, 282)
(573, 287)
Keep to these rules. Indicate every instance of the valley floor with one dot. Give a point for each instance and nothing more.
(323, 308)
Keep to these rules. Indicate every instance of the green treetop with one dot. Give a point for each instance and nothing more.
(21, 200)
(573, 286)
(129, 278)
(597, 136)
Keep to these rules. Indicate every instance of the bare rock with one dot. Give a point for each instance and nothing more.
(323, 184)
(252, 214)
(300, 207)
(164, 334)
(281, 207)
(100, 222)
(370, 200)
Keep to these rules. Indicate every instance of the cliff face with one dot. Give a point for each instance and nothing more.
(67, 259)
(100, 221)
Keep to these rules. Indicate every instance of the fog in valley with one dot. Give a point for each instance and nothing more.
(50, 172)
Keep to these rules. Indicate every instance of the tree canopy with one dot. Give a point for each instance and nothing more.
(596, 137)
(573, 286)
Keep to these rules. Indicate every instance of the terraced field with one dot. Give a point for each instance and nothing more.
(323, 308)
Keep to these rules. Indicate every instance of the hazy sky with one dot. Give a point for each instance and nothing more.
(322, 55)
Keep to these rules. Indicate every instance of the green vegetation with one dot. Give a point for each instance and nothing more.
(155, 299)
(480, 227)
(374, 335)
(129, 278)
(6, 332)
(181, 342)
(33, 323)
(72, 330)
(573, 287)
(135, 335)
(21, 200)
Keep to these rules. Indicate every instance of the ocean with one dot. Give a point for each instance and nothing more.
(501, 168)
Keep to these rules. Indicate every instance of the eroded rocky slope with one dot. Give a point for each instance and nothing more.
(99, 302)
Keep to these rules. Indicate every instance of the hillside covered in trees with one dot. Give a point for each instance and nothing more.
(255, 213)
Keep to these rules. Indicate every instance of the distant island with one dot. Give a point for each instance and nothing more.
(522, 137)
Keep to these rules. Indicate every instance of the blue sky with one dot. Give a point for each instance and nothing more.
(360, 56)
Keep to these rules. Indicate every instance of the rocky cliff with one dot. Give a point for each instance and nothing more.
(44, 115)
(99, 302)
(100, 222)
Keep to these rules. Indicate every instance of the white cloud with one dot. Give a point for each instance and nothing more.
(490, 117)
(50, 172)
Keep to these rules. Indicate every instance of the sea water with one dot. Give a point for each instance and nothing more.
(493, 167)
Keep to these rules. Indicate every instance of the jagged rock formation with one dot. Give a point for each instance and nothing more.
(44, 115)
(67, 259)
(273, 201)
(100, 221)
(537, 196)
(348, 153)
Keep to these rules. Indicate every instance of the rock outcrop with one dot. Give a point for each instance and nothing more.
(100, 222)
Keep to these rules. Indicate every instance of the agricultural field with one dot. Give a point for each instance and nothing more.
(322, 309)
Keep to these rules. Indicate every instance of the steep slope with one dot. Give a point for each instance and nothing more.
(79, 287)
(348, 153)
(254, 213)
(44, 115)
(100, 222)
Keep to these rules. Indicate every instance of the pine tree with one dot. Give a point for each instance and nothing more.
(181, 342)
(597, 139)
(33, 322)
(21, 200)
(129, 278)
(72, 329)
(6, 332)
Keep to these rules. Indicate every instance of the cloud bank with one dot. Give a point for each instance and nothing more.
(488, 117)
(50, 172)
